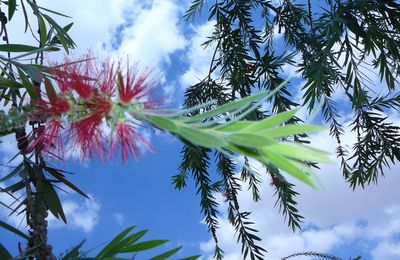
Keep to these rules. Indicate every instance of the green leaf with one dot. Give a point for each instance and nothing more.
(42, 30)
(15, 187)
(114, 242)
(166, 254)
(62, 35)
(25, 15)
(13, 230)
(249, 140)
(205, 138)
(130, 240)
(286, 165)
(17, 48)
(8, 83)
(143, 246)
(235, 127)
(288, 130)
(60, 177)
(51, 199)
(4, 254)
(12, 5)
(74, 252)
(33, 72)
(271, 121)
(28, 85)
(163, 123)
(13, 173)
(50, 91)
(191, 257)
(301, 152)
(237, 105)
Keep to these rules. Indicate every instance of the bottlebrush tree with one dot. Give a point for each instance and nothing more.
(95, 108)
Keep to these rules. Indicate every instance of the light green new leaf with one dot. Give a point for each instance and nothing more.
(235, 126)
(271, 121)
(163, 123)
(238, 105)
(301, 152)
(249, 140)
(286, 165)
(202, 137)
(288, 130)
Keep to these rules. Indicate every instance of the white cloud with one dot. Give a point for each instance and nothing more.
(334, 215)
(82, 215)
(119, 218)
(198, 57)
(154, 33)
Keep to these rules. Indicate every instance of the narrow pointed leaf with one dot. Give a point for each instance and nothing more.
(4, 254)
(288, 130)
(237, 105)
(206, 138)
(271, 121)
(163, 123)
(249, 140)
(12, 5)
(60, 177)
(28, 85)
(286, 165)
(17, 48)
(143, 246)
(301, 152)
(166, 254)
(13, 230)
(114, 242)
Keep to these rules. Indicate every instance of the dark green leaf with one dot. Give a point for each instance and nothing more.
(12, 5)
(28, 85)
(13, 230)
(50, 197)
(4, 254)
(110, 246)
(143, 246)
(166, 254)
(17, 48)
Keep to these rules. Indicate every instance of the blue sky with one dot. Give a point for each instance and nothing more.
(337, 220)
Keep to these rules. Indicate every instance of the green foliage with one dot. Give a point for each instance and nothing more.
(332, 47)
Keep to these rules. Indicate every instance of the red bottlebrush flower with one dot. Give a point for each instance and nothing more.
(59, 107)
(86, 135)
(77, 76)
(127, 138)
(41, 109)
(134, 85)
(48, 139)
(106, 77)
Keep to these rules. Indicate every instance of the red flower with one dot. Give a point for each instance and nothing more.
(59, 107)
(76, 75)
(134, 85)
(106, 77)
(127, 138)
(48, 139)
(86, 135)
